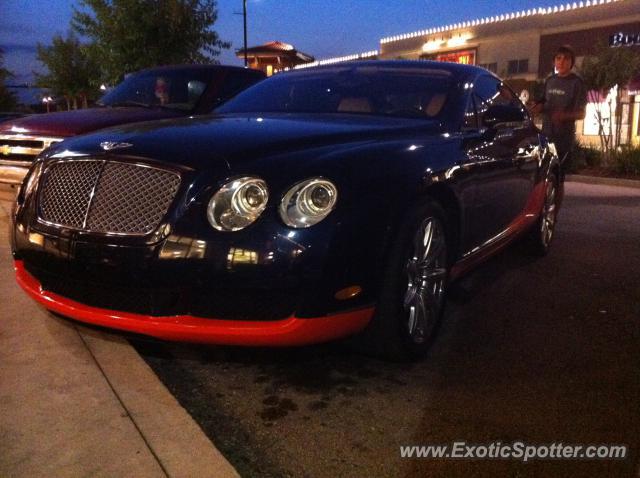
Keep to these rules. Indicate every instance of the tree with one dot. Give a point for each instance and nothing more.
(71, 70)
(605, 73)
(128, 35)
(8, 99)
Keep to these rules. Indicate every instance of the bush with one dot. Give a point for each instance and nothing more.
(586, 157)
(626, 160)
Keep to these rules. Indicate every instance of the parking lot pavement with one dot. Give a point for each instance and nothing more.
(80, 402)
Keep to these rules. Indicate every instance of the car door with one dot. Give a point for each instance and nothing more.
(503, 157)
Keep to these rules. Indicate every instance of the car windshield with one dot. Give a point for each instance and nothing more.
(174, 89)
(414, 92)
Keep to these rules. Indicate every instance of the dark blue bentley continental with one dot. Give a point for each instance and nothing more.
(318, 204)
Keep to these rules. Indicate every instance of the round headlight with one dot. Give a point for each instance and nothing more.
(237, 204)
(308, 202)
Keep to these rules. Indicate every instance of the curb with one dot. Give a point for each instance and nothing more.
(176, 441)
(627, 183)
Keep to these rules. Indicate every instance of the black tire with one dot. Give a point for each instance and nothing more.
(540, 236)
(405, 320)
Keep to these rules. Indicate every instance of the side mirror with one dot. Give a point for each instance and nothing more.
(502, 115)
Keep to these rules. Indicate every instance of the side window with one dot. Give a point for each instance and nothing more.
(487, 89)
(234, 83)
(514, 100)
(494, 96)
(470, 120)
(510, 99)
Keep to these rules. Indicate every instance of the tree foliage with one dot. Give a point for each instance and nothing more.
(8, 100)
(128, 35)
(72, 72)
(607, 68)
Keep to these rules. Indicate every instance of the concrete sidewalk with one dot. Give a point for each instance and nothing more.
(620, 182)
(78, 402)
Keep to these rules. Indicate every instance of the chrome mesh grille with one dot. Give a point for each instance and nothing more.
(127, 198)
(67, 191)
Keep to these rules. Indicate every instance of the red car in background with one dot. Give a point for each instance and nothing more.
(156, 93)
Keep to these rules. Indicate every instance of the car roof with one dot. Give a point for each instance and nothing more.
(199, 66)
(456, 69)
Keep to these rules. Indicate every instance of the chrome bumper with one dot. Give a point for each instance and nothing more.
(17, 152)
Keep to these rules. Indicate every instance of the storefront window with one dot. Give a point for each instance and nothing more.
(518, 66)
(464, 57)
(598, 113)
(492, 67)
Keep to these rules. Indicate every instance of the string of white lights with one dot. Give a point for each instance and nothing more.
(498, 18)
(329, 61)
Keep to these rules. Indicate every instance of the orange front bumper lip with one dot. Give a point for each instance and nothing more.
(285, 332)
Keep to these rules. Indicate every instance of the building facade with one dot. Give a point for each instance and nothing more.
(520, 47)
(273, 57)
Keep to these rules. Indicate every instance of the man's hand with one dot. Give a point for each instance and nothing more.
(535, 109)
(558, 117)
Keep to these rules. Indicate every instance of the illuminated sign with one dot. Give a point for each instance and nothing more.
(466, 57)
(624, 39)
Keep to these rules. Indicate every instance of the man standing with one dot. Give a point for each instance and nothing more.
(564, 101)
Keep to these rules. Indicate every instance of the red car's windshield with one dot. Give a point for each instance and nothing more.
(177, 89)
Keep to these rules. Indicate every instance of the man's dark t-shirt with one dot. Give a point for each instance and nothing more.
(566, 93)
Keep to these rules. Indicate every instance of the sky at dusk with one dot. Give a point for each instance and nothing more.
(321, 28)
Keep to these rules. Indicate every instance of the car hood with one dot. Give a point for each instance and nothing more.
(196, 142)
(71, 123)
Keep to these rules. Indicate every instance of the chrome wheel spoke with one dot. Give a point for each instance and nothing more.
(429, 273)
(422, 242)
(409, 297)
(417, 317)
(431, 254)
(548, 219)
(411, 324)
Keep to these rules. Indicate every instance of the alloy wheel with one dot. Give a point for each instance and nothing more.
(426, 279)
